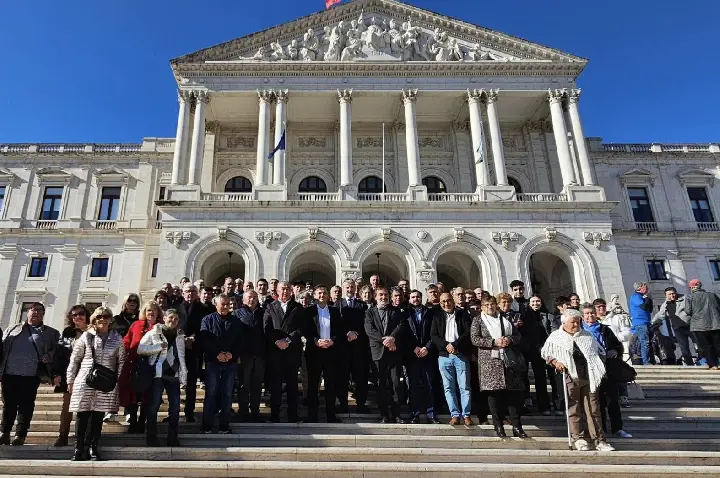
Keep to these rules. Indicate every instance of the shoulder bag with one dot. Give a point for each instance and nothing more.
(512, 357)
(100, 377)
(143, 373)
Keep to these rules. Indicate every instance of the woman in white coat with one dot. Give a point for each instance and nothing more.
(165, 345)
(102, 345)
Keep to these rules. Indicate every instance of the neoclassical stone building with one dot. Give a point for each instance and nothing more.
(416, 146)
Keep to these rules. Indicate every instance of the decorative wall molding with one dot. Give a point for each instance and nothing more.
(222, 232)
(313, 233)
(312, 142)
(504, 238)
(597, 238)
(266, 237)
(177, 237)
(459, 233)
(550, 234)
(385, 233)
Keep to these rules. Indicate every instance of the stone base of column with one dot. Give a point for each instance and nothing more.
(347, 193)
(270, 192)
(496, 193)
(585, 193)
(183, 192)
(417, 193)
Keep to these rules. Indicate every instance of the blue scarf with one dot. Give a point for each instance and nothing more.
(596, 331)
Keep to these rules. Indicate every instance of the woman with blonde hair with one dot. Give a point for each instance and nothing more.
(150, 313)
(98, 346)
(165, 345)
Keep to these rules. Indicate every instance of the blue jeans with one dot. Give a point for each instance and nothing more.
(172, 387)
(219, 384)
(641, 331)
(455, 370)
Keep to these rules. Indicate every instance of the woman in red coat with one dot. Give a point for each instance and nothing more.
(129, 398)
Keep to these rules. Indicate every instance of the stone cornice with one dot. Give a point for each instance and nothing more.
(348, 11)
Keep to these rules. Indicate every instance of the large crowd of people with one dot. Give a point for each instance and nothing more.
(461, 352)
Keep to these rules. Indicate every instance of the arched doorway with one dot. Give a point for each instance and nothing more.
(389, 265)
(238, 184)
(458, 269)
(313, 265)
(221, 265)
(550, 277)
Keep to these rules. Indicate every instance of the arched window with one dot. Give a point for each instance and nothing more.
(434, 185)
(371, 184)
(238, 184)
(514, 183)
(312, 184)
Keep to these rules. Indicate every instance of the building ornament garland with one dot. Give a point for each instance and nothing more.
(597, 238)
(266, 237)
(425, 276)
(177, 237)
(504, 238)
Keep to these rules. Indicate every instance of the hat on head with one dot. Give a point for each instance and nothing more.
(695, 283)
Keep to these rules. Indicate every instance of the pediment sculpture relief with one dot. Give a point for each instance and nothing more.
(378, 38)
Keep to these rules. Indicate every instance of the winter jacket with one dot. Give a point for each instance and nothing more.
(219, 334)
(63, 354)
(128, 395)
(252, 331)
(151, 346)
(681, 318)
(640, 310)
(704, 310)
(46, 344)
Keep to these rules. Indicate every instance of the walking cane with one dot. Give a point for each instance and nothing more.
(567, 410)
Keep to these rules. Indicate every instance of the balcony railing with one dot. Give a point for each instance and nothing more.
(454, 197)
(105, 225)
(227, 197)
(382, 197)
(47, 225)
(646, 226)
(708, 226)
(318, 197)
(541, 197)
(158, 224)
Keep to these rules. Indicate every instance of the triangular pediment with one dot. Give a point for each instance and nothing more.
(378, 31)
(696, 176)
(637, 176)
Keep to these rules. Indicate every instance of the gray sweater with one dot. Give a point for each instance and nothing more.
(23, 359)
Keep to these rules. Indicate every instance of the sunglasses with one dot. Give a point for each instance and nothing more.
(78, 314)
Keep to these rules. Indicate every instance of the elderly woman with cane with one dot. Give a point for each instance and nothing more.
(578, 355)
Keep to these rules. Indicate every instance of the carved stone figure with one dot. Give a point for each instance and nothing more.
(311, 46)
(445, 48)
(375, 37)
(334, 39)
(262, 54)
(413, 50)
(278, 53)
(293, 51)
(397, 43)
(477, 53)
(354, 46)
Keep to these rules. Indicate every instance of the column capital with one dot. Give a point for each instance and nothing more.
(212, 126)
(202, 96)
(409, 95)
(282, 96)
(266, 96)
(574, 95)
(345, 96)
(556, 95)
(184, 96)
(473, 96)
(491, 96)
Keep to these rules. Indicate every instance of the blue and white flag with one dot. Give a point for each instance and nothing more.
(280, 146)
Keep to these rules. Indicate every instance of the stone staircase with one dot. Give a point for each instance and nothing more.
(676, 431)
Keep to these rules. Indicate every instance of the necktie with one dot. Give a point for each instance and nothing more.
(350, 303)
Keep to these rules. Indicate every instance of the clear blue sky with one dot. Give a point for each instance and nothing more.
(98, 71)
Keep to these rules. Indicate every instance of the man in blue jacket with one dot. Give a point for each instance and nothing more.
(641, 308)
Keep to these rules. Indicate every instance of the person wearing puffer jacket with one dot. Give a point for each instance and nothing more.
(675, 322)
(165, 345)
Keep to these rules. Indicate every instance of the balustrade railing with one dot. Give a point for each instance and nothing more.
(454, 197)
(105, 225)
(227, 197)
(646, 226)
(382, 197)
(541, 197)
(47, 225)
(158, 224)
(318, 197)
(708, 226)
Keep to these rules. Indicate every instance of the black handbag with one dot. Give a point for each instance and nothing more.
(100, 377)
(620, 371)
(513, 358)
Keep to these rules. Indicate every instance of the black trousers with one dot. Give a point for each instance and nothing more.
(683, 336)
(193, 362)
(389, 371)
(534, 360)
(322, 362)
(18, 394)
(478, 398)
(499, 400)
(284, 368)
(85, 434)
(420, 376)
(251, 373)
(354, 360)
(609, 397)
(709, 343)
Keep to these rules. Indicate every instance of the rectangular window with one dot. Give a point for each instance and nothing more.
(153, 272)
(52, 199)
(24, 311)
(99, 267)
(109, 204)
(2, 196)
(91, 306)
(700, 205)
(640, 203)
(38, 267)
(161, 197)
(656, 270)
(715, 268)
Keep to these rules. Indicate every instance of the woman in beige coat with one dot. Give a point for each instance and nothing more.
(90, 404)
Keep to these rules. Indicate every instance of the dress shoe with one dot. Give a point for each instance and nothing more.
(189, 418)
(399, 421)
(5, 439)
(19, 440)
(518, 432)
(384, 420)
(500, 431)
(434, 420)
(467, 421)
(61, 441)
(417, 420)
(152, 441)
(172, 441)
(455, 421)
(363, 409)
(334, 419)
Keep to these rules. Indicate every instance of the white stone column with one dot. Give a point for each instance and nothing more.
(197, 147)
(280, 126)
(265, 98)
(579, 137)
(409, 98)
(478, 138)
(555, 98)
(497, 146)
(180, 135)
(346, 174)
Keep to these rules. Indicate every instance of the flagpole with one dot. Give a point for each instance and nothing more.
(383, 162)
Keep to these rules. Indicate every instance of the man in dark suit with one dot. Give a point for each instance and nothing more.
(450, 332)
(283, 322)
(194, 310)
(356, 359)
(324, 332)
(386, 327)
(420, 360)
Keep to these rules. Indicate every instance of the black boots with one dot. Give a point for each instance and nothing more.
(19, 439)
(5, 439)
(94, 453)
(80, 454)
(500, 431)
(172, 438)
(518, 432)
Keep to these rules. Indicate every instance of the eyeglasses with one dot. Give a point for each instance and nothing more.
(38, 311)
(78, 314)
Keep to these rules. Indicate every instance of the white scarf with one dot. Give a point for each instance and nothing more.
(560, 346)
(495, 325)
